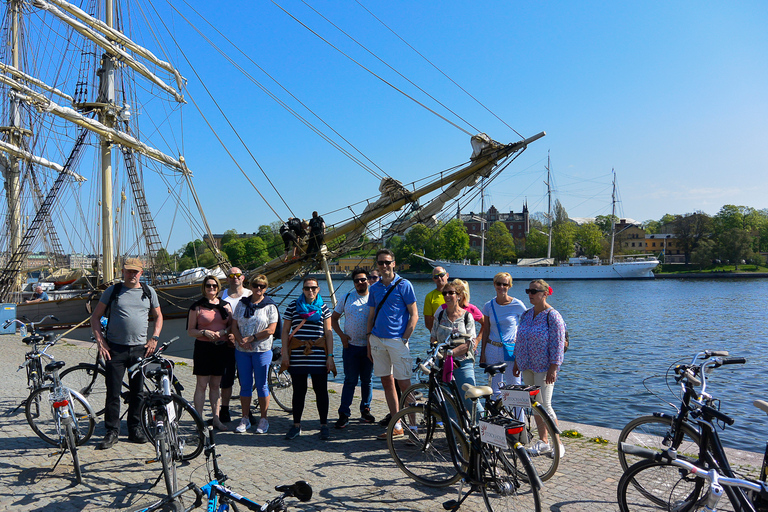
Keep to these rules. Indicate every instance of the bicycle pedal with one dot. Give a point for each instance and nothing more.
(150, 461)
(450, 504)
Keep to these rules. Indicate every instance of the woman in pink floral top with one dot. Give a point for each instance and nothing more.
(539, 349)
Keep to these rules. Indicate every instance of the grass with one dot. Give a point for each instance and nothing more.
(692, 269)
(572, 434)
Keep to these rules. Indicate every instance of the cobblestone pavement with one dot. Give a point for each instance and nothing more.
(351, 471)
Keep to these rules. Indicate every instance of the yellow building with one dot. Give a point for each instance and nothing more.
(349, 264)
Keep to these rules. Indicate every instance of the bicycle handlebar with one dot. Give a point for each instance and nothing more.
(142, 362)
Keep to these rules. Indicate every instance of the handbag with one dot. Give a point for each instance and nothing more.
(509, 346)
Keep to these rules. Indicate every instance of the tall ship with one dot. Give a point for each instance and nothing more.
(92, 131)
(625, 267)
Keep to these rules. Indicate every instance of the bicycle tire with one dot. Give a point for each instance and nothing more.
(683, 491)
(44, 424)
(190, 427)
(71, 440)
(417, 393)
(545, 462)
(281, 388)
(165, 454)
(426, 460)
(90, 381)
(502, 487)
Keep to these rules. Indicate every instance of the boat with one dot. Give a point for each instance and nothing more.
(69, 124)
(638, 266)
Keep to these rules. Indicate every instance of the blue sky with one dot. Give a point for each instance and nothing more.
(670, 94)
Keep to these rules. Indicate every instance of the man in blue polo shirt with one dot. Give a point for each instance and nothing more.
(392, 317)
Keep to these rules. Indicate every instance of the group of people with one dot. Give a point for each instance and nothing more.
(293, 232)
(237, 328)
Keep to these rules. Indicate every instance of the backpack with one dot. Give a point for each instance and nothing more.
(567, 338)
(145, 294)
(467, 318)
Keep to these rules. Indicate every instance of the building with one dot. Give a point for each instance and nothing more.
(666, 245)
(629, 238)
(350, 263)
(517, 224)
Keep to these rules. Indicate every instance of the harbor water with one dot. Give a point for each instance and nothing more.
(624, 332)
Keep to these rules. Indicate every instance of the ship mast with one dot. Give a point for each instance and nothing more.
(13, 171)
(549, 210)
(483, 222)
(107, 97)
(613, 216)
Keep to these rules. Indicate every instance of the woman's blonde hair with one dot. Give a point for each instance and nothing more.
(461, 288)
(544, 284)
(501, 275)
(209, 278)
(259, 279)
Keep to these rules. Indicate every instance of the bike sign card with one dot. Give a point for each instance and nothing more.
(512, 398)
(495, 435)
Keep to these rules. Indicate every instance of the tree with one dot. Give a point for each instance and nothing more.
(690, 230)
(256, 251)
(563, 237)
(704, 253)
(454, 241)
(164, 261)
(651, 227)
(561, 216)
(499, 244)
(603, 222)
(536, 244)
(588, 236)
(236, 252)
(735, 245)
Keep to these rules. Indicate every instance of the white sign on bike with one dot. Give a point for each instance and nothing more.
(512, 398)
(171, 410)
(495, 435)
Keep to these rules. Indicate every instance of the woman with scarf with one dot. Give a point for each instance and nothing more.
(308, 336)
(208, 321)
(254, 326)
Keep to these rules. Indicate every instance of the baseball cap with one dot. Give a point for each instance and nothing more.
(133, 264)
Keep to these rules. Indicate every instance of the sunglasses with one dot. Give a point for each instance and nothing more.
(385, 262)
(362, 280)
(438, 276)
(232, 276)
(533, 291)
(310, 288)
(211, 285)
(260, 286)
(448, 293)
(373, 278)
(502, 284)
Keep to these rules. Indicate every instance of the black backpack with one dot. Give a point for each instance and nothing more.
(146, 294)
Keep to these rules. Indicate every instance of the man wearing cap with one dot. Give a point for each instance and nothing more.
(126, 342)
(434, 299)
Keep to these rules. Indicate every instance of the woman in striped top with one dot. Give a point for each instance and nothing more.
(308, 336)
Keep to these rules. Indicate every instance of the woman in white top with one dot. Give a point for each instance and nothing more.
(254, 324)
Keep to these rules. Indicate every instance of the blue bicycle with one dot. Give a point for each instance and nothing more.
(223, 499)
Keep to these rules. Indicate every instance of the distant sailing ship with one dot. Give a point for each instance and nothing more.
(69, 91)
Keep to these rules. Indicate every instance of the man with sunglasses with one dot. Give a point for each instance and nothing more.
(357, 366)
(434, 299)
(232, 294)
(392, 317)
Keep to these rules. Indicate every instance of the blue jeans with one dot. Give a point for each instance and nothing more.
(357, 366)
(465, 373)
(253, 366)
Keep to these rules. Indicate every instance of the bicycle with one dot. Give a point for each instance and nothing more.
(32, 360)
(168, 420)
(280, 384)
(68, 421)
(685, 482)
(437, 450)
(710, 454)
(660, 430)
(222, 499)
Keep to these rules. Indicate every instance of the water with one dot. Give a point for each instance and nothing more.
(623, 332)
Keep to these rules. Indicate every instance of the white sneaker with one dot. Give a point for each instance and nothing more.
(243, 426)
(539, 448)
(263, 426)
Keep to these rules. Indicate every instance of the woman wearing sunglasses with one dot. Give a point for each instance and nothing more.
(254, 326)
(457, 317)
(208, 321)
(308, 336)
(540, 347)
(501, 318)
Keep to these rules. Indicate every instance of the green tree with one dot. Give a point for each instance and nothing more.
(454, 241)
(603, 222)
(536, 244)
(256, 252)
(651, 227)
(235, 250)
(563, 238)
(164, 261)
(704, 253)
(588, 236)
(735, 245)
(690, 229)
(499, 244)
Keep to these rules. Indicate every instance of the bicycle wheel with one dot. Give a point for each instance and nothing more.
(165, 455)
(190, 429)
(417, 394)
(423, 452)
(71, 439)
(90, 381)
(45, 423)
(281, 387)
(545, 458)
(655, 433)
(681, 490)
(502, 486)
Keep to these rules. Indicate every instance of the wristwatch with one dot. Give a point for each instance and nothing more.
(329, 355)
(156, 338)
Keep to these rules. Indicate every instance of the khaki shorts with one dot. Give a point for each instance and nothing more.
(391, 357)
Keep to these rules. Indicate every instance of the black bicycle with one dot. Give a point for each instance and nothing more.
(221, 498)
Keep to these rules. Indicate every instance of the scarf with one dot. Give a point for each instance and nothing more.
(205, 303)
(251, 307)
(311, 312)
